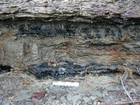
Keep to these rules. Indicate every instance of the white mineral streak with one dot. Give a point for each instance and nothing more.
(61, 83)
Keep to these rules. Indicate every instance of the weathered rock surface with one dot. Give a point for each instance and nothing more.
(116, 11)
(23, 43)
(82, 32)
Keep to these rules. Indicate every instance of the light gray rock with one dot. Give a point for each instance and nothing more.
(1, 92)
(69, 97)
(13, 103)
(6, 102)
(92, 97)
(78, 102)
(86, 99)
(114, 87)
(20, 103)
(1, 100)
(22, 96)
(96, 93)
(75, 98)
(29, 103)
(105, 92)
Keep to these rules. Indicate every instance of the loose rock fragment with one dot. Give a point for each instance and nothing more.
(38, 95)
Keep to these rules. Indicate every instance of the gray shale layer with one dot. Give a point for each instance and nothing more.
(106, 32)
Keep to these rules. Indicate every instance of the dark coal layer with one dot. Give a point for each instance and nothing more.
(68, 69)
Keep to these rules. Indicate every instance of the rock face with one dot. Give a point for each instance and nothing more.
(106, 33)
(116, 11)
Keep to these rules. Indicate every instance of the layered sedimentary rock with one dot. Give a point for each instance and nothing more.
(101, 34)
(116, 11)
(108, 46)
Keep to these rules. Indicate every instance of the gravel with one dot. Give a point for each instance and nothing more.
(17, 89)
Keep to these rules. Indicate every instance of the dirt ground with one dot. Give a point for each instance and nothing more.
(18, 88)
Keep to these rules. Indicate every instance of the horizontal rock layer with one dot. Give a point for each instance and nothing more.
(33, 42)
(65, 69)
(110, 11)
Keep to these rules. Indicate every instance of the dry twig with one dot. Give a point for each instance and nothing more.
(126, 90)
(125, 76)
(125, 103)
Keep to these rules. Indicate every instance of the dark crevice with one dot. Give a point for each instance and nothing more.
(5, 68)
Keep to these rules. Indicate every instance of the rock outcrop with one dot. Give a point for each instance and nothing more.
(111, 11)
(83, 32)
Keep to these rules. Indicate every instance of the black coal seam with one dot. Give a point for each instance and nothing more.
(68, 71)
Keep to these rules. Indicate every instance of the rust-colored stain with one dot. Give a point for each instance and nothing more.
(26, 49)
(126, 38)
(2, 46)
(9, 34)
(2, 51)
(117, 52)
